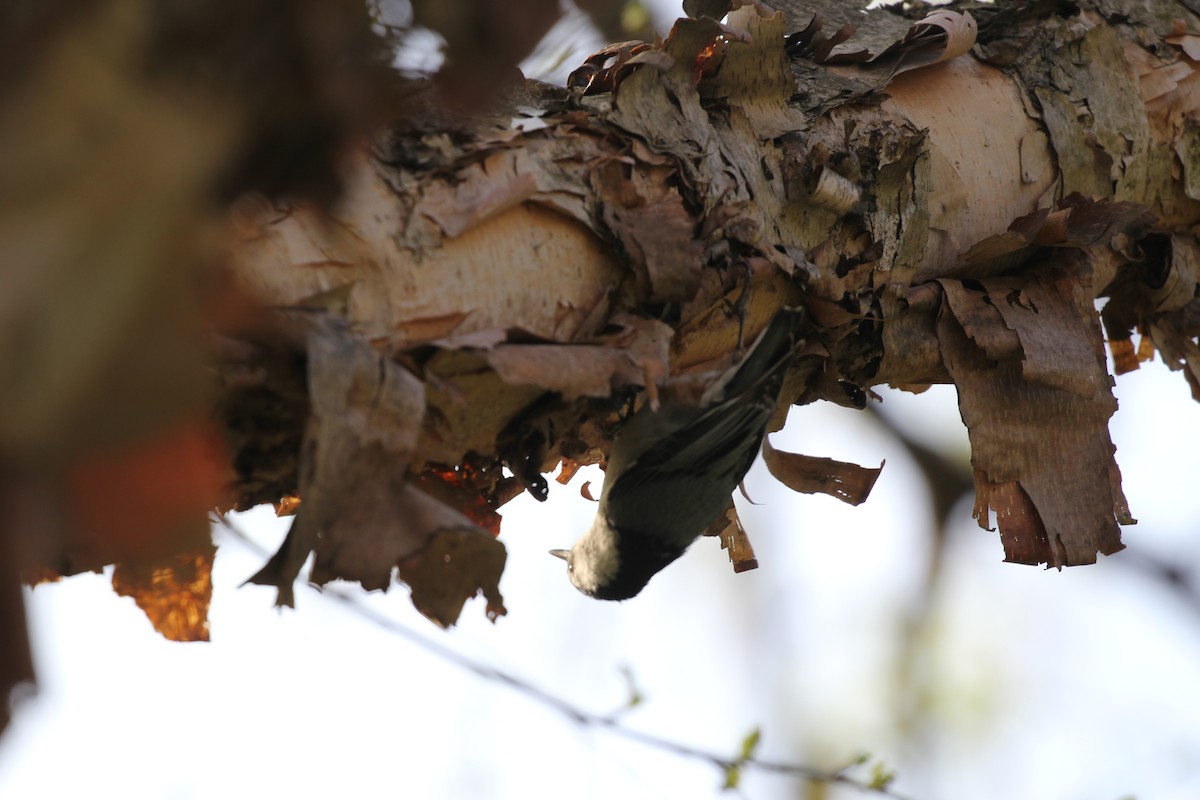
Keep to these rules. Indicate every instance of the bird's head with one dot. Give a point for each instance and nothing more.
(608, 564)
(594, 561)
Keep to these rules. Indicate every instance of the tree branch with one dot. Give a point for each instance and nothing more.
(609, 722)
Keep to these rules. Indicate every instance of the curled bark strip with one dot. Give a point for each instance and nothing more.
(849, 483)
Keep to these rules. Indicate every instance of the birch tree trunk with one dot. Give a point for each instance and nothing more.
(945, 198)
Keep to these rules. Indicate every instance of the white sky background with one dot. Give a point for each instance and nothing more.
(1030, 683)
(1023, 683)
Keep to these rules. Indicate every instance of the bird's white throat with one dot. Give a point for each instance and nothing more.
(594, 558)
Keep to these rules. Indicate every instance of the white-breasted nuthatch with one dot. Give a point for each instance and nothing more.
(672, 471)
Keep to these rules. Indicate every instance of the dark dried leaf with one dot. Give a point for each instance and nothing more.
(365, 420)
(454, 566)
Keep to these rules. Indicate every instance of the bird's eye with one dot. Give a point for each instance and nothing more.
(571, 565)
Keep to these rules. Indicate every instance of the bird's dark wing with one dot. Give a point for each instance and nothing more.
(703, 461)
(700, 454)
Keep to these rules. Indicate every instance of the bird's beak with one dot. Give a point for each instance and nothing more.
(565, 555)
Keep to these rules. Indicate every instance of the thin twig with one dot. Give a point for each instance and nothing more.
(573, 713)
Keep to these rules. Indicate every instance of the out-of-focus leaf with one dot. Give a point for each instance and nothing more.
(635, 693)
(124, 126)
(485, 42)
(733, 770)
(750, 743)
(733, 777)
(174, 594)
(881, 777)
(145, 501)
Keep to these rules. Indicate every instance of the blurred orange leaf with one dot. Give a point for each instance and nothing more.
(147, 499)
(174, 596)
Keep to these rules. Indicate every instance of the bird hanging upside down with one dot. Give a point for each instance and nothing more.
(672, 470)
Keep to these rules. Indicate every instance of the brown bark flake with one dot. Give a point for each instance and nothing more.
(1037, 418)
(849, 483)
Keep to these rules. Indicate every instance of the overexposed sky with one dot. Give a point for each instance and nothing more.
(1022, 683)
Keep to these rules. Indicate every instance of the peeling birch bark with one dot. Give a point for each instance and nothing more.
(945, 198)
(738, 169)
